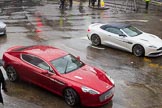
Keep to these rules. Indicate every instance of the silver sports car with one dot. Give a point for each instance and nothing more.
(2, 28)
(126, 37)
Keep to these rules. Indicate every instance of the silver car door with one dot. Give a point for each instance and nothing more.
(105, 37)
(118, 39)
(122, 42)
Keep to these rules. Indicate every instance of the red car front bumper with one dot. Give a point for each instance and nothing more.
(98, 99)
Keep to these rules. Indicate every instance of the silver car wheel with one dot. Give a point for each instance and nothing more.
(71, 97)
(11, 73)
(95, 40)
(138, 50)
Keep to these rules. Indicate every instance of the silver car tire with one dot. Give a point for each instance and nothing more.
(96, 41)
(11, 73)
(71, 97)
(138, 50)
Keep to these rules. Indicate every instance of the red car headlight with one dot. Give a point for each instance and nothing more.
(89, 90)
(112, 81)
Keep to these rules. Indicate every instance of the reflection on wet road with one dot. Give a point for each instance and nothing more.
(138, 79)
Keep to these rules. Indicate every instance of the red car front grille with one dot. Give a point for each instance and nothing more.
(106, 95)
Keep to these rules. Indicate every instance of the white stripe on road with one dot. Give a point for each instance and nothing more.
(134, 20)
(85, 38)
(97, 47)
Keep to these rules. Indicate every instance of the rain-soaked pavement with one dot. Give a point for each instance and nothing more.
(138, 79)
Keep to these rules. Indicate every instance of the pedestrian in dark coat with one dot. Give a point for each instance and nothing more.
(71, 2)
(62, 4)
(3, 83)
(93, 2)
(147, 4)
(89, 3)
(99, 3)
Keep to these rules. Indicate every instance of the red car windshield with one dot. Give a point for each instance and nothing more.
(67, 64)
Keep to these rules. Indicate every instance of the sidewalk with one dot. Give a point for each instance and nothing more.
(155, 5)
(157, 2)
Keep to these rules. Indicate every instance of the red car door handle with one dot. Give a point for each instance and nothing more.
(52, 79)
(56, 81)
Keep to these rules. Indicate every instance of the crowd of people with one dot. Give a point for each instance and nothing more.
(70, 2)
(63, 3)
(91, 3)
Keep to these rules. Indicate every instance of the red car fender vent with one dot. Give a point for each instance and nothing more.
(89, 30)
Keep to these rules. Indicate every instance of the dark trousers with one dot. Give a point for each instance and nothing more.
(89, 2)
(2, 83)
(1, 98)
(147, 4)
(99, 3)
(93, 2)
(71, 2)
(62, 4)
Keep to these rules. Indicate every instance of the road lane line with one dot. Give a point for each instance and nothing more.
(160, 67)
(154, 65)
(97, 47)
(84, 38)
(133, 20)
(147, 60)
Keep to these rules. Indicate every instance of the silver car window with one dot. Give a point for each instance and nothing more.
(114, 30)
(66, 64)
(35, 61)
(131, 31)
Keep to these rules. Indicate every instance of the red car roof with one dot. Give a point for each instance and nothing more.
(46, 52)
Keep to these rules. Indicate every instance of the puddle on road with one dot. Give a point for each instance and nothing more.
(33, 94)
(17, 29)
(154, 62)
(66, 37)
(3, 39)
(35, 37)
(144, 95)
(64, 24)
(142, 77)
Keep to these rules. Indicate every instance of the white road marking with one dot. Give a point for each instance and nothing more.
(97, 47)
(133, 20)
(85, 38)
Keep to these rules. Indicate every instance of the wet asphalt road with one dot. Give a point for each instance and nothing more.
(138, 79)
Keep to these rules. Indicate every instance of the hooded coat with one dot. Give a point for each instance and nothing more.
(3, 84)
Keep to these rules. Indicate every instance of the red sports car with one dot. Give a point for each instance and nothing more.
(60, 73)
